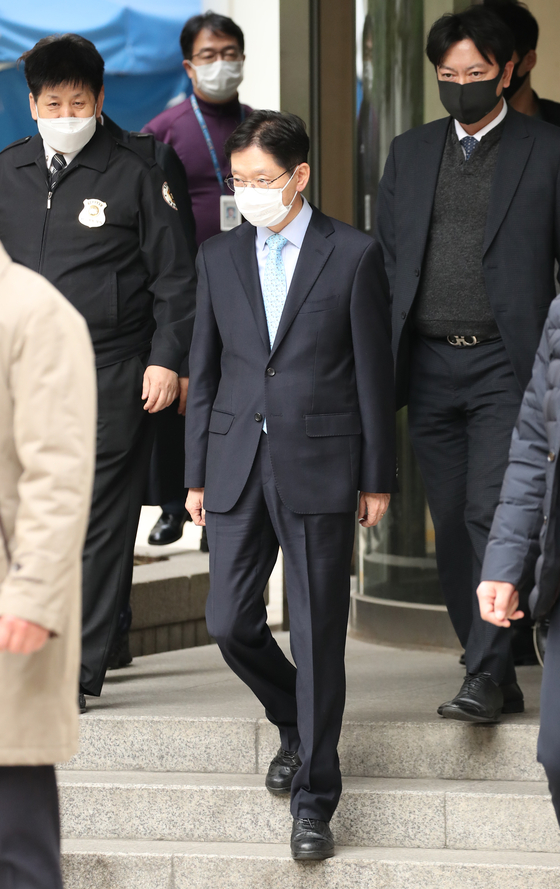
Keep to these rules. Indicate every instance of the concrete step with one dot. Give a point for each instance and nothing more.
(436, 749)
(168, 600)
(132, 864)
(421, 813)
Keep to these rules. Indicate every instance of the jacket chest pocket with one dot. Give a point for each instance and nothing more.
(319, 305)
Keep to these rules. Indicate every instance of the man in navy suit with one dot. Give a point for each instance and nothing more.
(290, 414)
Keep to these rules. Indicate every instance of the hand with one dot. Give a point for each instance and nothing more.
(160, 389)
(195, 505)
(499, 602)
(20, 636)
(183, 390)
(372, 508)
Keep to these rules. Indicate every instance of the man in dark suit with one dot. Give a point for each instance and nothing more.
(290, 413)
(469, 220)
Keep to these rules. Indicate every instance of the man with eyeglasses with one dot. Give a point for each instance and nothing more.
(290, 415)
(197, 129)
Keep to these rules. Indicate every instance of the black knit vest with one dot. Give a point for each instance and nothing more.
(452, 296)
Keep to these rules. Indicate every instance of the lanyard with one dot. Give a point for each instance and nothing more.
(208, 140)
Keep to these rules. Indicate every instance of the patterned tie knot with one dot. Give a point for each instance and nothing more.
(276, 242)
(469, 144)
(58, 163)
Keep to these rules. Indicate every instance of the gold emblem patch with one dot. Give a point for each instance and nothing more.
(93, 214)
(167, 196)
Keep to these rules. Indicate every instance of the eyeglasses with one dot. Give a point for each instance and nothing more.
(236, 184)
(229, 54)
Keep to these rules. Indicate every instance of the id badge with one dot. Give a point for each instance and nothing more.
(230, 217)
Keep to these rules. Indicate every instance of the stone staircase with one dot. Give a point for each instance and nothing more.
(167, 791)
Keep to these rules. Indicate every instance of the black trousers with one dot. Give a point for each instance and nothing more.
(306, 704)
(124, 443)
(29, 828)
(166, 486)
(463, 405)
(549, 734)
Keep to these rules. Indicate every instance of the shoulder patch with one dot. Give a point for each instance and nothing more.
(19, 142)
(167, 196)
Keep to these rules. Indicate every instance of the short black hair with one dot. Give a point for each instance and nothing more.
(477, 23)
(520, 21)
(66, 58)
(279, 133)
(218, 24)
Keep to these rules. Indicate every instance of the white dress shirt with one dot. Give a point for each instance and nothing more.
(295, 232)
(489, 126)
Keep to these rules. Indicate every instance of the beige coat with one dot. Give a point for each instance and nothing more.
(47, 443)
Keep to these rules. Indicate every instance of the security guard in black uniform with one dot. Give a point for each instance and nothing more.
(100, 222)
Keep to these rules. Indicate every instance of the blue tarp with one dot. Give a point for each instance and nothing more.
(140, 47)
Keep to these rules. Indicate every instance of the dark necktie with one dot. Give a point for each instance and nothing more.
(469, 144)
(57, 165)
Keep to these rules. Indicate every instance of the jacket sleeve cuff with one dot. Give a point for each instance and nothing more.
(14, 602)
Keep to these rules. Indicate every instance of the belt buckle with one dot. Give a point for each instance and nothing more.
(462, 341)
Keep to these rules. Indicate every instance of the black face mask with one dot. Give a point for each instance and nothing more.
(469, 102)
(516, 82)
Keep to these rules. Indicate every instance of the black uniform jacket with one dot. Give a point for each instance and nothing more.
(522, 233)
(109, 240)
(172, 168)
(326, 387)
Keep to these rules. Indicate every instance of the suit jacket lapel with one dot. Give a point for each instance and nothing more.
(315, 250)
(424, 174)
(513, 154)
(245, 259)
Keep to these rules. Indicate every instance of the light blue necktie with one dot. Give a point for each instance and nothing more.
(274, 284)
(274, 287)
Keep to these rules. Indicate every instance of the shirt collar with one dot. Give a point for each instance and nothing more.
(489, 126)
(295, 230)
(50, 153)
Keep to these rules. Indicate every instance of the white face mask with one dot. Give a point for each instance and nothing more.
(219, 80)
(264, 206)
(67, 134)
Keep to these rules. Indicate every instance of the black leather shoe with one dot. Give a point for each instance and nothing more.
(479, 700)
(120, 653)
(281, 772)
(82, 703)
(513, 701)
(311, 840)
(168, 528)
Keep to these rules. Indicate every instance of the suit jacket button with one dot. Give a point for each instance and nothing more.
(270, 372)
(551, 457)
(417, 272)
(258, 418)
(403, 315)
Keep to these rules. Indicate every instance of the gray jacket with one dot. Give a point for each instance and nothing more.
(524, 539)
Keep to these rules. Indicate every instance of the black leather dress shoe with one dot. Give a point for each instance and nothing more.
(168, 528)
(82, 703)
(281, 772)
(311, 840)
(483, 700)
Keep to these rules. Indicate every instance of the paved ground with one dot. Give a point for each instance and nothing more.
(384, 684)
